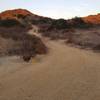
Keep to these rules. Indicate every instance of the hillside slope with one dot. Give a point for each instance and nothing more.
(93, 19)
(80, 31)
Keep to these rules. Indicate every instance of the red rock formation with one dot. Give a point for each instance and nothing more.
(93, 19)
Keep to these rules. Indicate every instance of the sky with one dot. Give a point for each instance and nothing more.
(54, 8)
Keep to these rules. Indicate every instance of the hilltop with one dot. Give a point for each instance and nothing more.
(23, 17)
(93, 19)
(14, 14)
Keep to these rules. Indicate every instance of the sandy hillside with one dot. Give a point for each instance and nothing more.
(65, 73)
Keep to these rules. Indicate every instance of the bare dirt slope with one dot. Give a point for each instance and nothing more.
(65, 73)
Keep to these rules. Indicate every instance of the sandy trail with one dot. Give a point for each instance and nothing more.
(65, 73)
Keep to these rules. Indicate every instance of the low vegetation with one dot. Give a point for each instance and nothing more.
(10, 23)
(81, 31)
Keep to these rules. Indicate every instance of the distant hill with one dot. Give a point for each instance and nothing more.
(18, 17)
(25, 18)
(93, 19)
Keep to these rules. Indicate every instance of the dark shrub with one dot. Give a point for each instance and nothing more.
(9, 23)
(60, 24)
(79, 23)
(27, 58)
(42, 21)
(97, 47)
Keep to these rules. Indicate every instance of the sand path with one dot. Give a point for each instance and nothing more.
(65, 73)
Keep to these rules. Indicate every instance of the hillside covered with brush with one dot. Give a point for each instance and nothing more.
(14, 37)
(82, 32)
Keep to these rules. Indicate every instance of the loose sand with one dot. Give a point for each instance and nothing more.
(65, 73)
